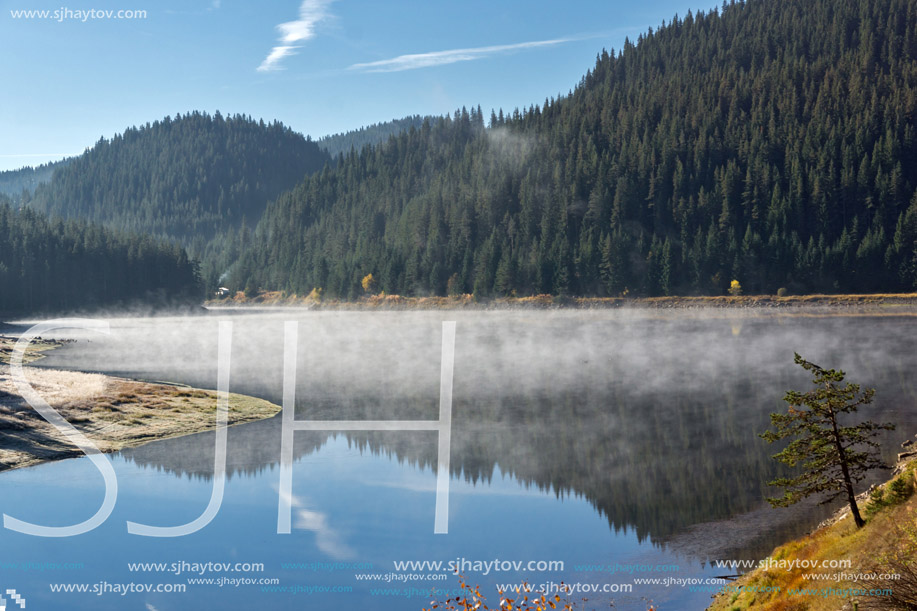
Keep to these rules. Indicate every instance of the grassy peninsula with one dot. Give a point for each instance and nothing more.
(114, 412)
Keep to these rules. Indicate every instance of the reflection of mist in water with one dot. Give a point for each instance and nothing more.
(653, 418)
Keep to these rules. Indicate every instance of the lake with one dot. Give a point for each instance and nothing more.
(598, 448)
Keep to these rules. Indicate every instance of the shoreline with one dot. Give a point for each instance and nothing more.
(115, 413)
(881, 547)
(875, 302)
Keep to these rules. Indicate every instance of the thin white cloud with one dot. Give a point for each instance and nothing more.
(311, 12)
(277, 53)
(441, 58)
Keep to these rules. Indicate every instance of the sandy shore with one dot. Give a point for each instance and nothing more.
(113, 412)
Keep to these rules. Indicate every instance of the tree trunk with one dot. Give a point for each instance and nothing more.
(848, 484)
(851, 497)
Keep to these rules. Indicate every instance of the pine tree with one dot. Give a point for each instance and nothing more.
(834, 457)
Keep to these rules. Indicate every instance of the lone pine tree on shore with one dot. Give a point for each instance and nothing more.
(834, 457)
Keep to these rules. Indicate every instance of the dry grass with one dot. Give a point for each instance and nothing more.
(840, 540)
(115, 413)
(32, 353)
(874, 302)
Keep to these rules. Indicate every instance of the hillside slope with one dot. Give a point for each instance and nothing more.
(868, 559)
(771, 143)
(194, 179)
(180, 178)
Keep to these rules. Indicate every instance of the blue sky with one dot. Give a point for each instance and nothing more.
(319, 66)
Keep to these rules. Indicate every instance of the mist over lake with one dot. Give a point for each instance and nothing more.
(593, 437)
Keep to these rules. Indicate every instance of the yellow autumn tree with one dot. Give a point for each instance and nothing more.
(368, 283)
(735, 288)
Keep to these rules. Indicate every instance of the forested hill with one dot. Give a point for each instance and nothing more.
(14, 182)
(183, 178)
(768, 142)
(64, 265)
(377, 133)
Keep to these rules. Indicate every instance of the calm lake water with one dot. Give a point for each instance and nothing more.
(622, 445)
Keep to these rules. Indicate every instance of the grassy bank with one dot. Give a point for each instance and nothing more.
(846, 559)
(114, 412)
(878, 302)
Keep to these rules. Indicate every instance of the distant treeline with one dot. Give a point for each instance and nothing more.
(377, 133)
(773, 143)
(62, 265)
(16, 183)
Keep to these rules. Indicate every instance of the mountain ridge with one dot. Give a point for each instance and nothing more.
(770, 144)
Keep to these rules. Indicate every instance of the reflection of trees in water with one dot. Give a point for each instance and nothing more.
(654, 422)
(253, 449)
(654, 462)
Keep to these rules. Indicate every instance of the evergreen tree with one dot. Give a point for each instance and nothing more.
(834, 456)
